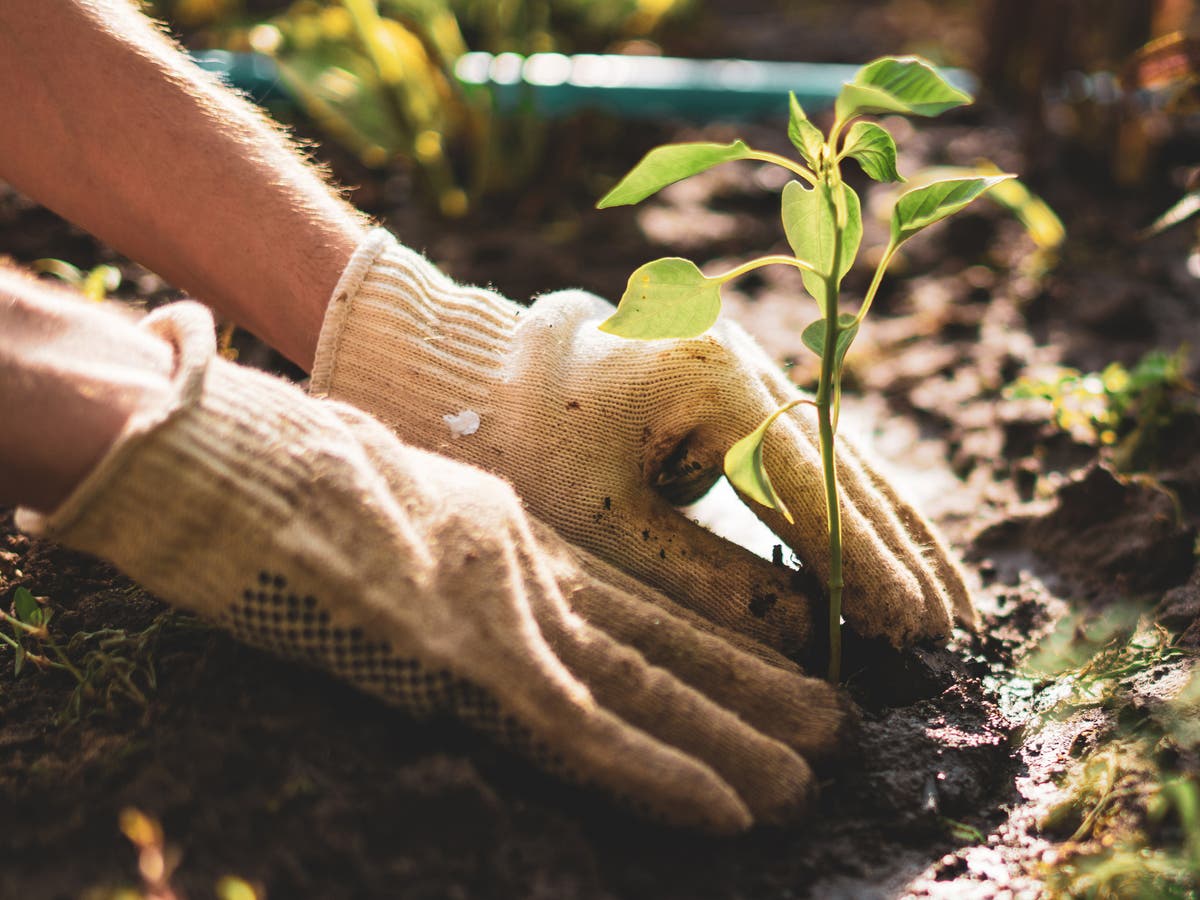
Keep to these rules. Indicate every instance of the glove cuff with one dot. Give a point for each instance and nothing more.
(216, 456)
(396, 320)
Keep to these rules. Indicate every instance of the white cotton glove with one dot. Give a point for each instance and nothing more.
(585, 425)
(305, 527)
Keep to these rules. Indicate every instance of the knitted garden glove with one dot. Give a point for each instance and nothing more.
(585, 424)
(305, 527)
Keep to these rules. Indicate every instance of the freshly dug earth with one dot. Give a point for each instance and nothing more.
(280, 776)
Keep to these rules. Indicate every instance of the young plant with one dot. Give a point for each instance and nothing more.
(822, 219)
(110, 665)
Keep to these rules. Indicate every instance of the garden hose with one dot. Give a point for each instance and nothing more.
(652, 87)
(633, 87)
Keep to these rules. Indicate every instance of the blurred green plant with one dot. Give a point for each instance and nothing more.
(158, 862)
(1128, 821)
(377, 76)
(1181, 211)
(1088, 654)
(381, 85)
(1138, 833)
(539, 26)
(1125, 409)
(1166, 72)
(1041, 222)
(95, 284)
(961, 832)
(196, 12)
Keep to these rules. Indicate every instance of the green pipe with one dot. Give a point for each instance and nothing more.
(254, 74)
(654, 87)
(632, 87)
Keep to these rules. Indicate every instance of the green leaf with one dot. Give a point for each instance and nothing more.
(898, 84)
(810, 223)
(27, 608)
(874, 149)
(666, 298)
(1040, 221)
(857, 100)
(804, 135)
(813, 337)
(921, 207)
(668, 164)
(744, 464)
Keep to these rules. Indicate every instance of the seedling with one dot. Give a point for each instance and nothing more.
(1089, 658)
(109, 666)
(961, 831)
(30, 622)
(157, 861)
(822, 220)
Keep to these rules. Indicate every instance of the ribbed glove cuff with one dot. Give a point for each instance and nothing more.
(395, 320)
(168, 483)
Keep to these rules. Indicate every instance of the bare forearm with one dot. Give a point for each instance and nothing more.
(104, 121)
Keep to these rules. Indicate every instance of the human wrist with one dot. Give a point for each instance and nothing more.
(71, 376)
(200, 439)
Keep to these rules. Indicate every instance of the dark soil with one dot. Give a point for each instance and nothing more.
(281, 776)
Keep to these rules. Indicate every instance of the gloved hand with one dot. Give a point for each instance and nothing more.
(305, 527)
(585, 425)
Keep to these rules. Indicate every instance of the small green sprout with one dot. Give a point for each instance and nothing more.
(1089, 656)
(158, 863)
(29, 621)
(822, 220)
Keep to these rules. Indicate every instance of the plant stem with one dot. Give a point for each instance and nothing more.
(826, 389)
(884, 261)
(834, 520)
(835, 134)
(64, 661)
(753, 264)
(789, 164)
(37, 631)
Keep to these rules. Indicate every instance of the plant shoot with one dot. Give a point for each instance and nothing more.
(822, 220)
